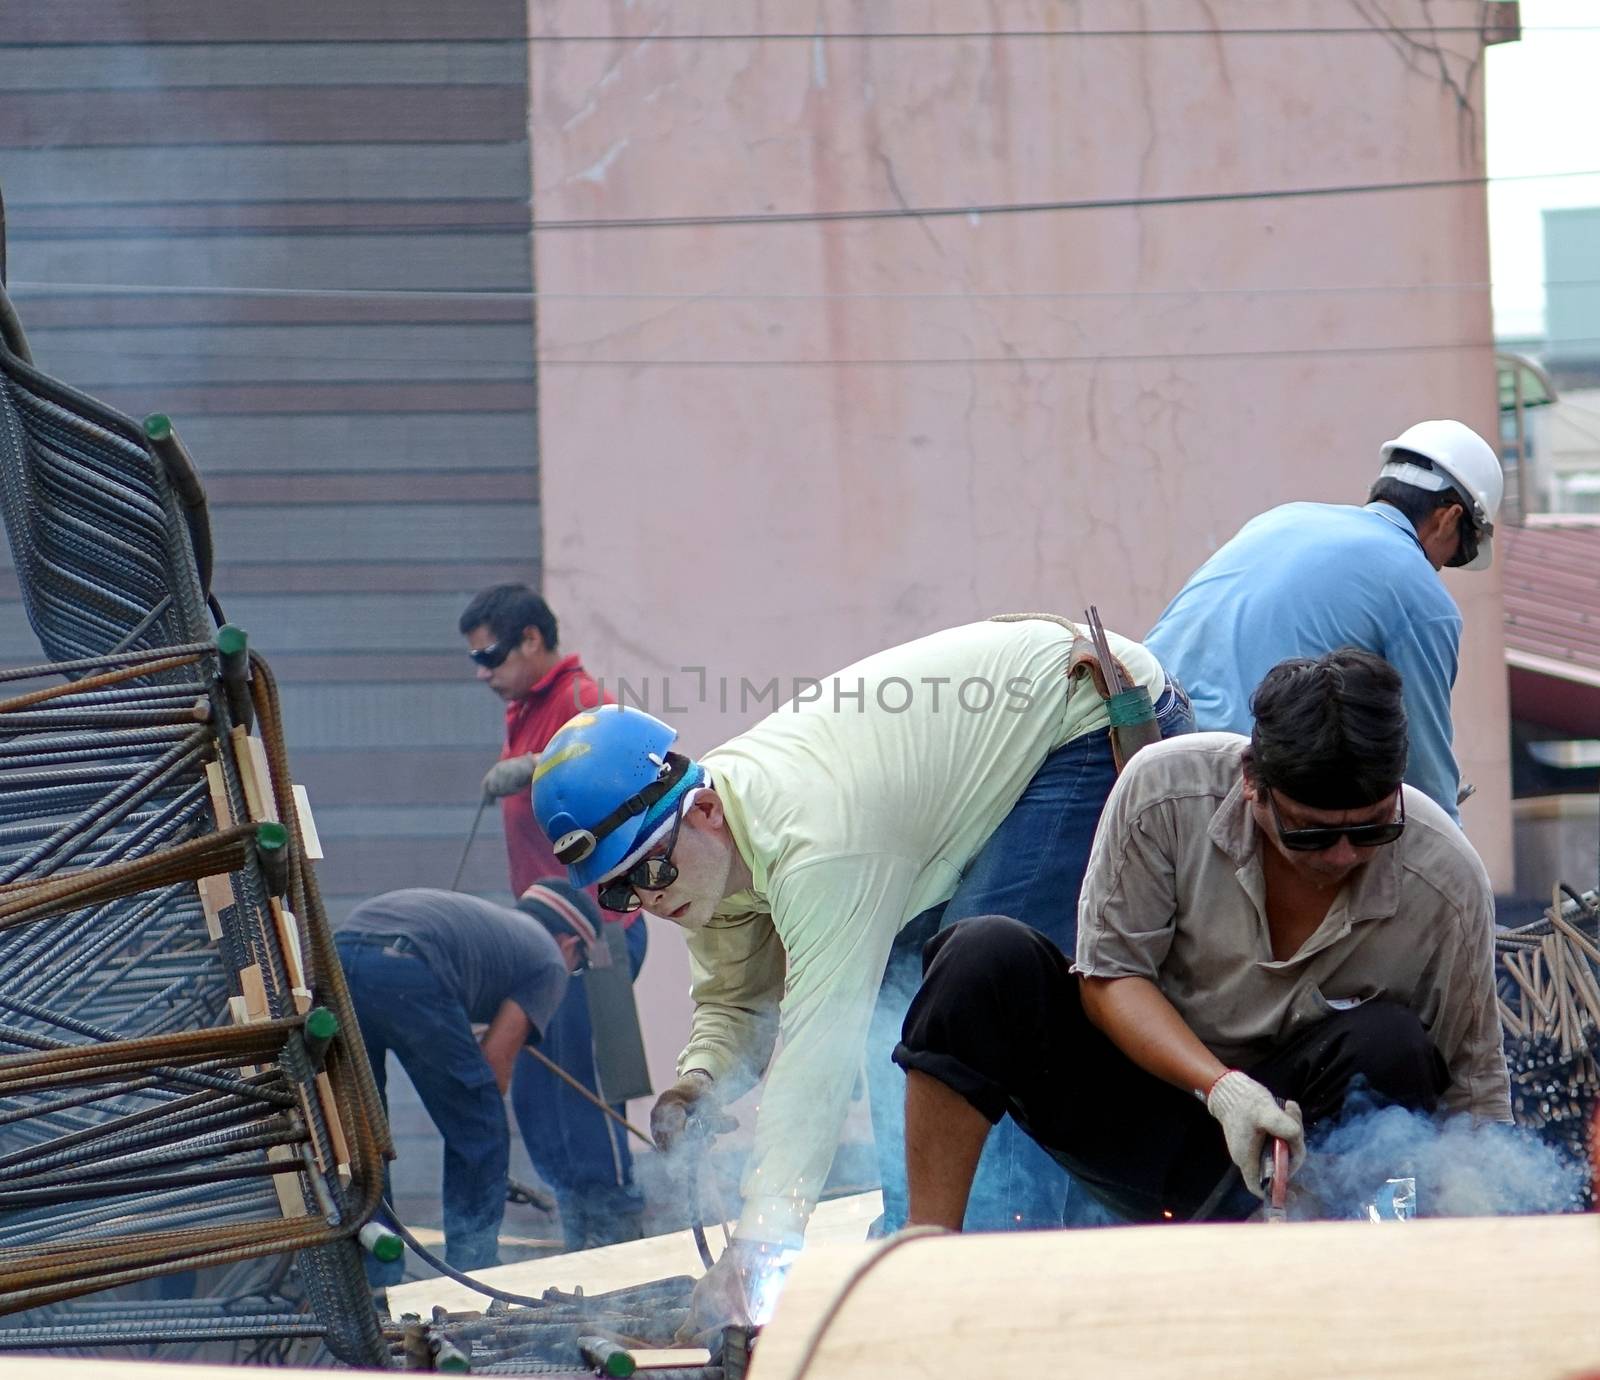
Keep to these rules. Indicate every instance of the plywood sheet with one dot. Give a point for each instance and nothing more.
(1495, 1298)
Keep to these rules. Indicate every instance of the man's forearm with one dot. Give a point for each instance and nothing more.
(1134, 1015)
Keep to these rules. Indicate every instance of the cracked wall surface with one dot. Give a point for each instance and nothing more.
(772, 447)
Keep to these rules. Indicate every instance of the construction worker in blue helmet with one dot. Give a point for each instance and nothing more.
(811, 858)
(1304, 579)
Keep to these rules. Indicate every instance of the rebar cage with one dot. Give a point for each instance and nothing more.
(182, 1085)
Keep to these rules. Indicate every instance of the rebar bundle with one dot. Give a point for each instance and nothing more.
(179, 1085)
(1548, 985)
(549, 1338)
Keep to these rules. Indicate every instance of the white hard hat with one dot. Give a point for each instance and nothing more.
(1462, 461)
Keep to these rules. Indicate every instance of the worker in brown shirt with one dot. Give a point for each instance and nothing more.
(1265, 922)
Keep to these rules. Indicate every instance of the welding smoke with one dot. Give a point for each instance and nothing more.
(1461, 1169)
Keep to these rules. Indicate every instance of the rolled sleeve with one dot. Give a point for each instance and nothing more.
(736, 980)
(838, 918)
(1128, 905)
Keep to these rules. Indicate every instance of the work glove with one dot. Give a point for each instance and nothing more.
(1250, 1116)
(509, 775)
(740, 1289)
(669, 1118)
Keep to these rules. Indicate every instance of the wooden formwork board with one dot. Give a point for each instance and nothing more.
(1467, 1299)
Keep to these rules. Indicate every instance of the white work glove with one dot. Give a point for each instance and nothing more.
(1250, 1116)
(669, 1118)
(510, 775)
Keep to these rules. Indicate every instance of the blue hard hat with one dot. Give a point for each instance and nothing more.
(595, 783)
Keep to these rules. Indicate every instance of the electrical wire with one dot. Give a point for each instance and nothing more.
(980, 209)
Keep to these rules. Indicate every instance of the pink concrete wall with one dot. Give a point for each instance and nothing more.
(770, 448)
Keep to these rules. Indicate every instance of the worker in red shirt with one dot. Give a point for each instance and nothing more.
(512, 638)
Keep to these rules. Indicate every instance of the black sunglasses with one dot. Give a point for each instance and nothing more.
(1360, 835)
(491, 656)
(654, 873)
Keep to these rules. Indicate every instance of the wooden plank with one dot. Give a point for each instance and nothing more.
(310, 841)
(330, 1113)
(1419, 1301)
(264, 115)
(216, 893)
(88, 22)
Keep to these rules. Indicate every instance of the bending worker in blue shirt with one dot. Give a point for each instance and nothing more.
(1307, 578)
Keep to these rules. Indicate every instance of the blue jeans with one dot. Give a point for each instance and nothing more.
(401, 1006)
(1030, 869)
(580, 1153)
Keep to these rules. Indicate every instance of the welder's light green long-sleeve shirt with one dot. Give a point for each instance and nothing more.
(856, 811)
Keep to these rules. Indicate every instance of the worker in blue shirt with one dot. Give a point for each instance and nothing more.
(423, 968)
(1306, 578)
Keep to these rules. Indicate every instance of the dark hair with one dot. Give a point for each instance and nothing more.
(1417, 504)
(506, 610)
(1330, 732)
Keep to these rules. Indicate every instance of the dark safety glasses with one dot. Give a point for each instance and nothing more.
(1360, 835)
(491, 656)
(653, 873)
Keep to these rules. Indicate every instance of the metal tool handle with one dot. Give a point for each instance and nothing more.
(1280, 1173)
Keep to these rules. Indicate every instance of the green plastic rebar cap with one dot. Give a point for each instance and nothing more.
(158, 426)
(322, 1024)
(271, 836)
(232, 639)
(452, 1364)
(382, 1243)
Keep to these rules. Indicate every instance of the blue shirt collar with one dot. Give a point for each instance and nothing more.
(1392, 515)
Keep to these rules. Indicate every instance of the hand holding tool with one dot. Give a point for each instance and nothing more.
(669, 1118)
(1275, 1173)
(1249, 1115)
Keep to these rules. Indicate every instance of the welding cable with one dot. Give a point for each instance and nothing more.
(450, 1271)
(472, 833)
(697, 1226)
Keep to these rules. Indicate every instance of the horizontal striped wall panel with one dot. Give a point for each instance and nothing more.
(178, 355)
(159, 219)
(392, 717)
(342, 262)
(413, 776)
(451, 487)
(272, 173)
(386, 533)
(91, 22)
(101, 308)
(342, 622)
(356, 868)
(266, 64)
(273, 399)
(263, 115)
(421, 441)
